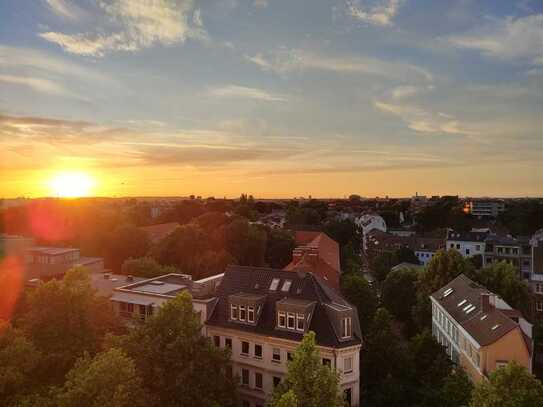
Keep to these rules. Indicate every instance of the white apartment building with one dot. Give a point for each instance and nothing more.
(466, 243)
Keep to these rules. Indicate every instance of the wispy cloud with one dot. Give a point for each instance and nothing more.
(141, 24)
(285, 60)
(377, 12)
(37, 84)
(423, 121)
(64, 9)
(236, 91)
(509, 38)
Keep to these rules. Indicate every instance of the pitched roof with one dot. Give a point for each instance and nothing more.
(466, 236)
(327, 264)
(158, 232)
(305, 288)
(486, 327)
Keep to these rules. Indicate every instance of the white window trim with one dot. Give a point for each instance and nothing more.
(279, 315)
(242, 307)
(300, 317)
(233, 308)
(250, 310)
(291, 316)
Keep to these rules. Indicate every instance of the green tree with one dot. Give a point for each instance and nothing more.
(145, 267)
(125, 241)
(312, 383)
(107, 380)
(429, 368)
(503, 279)
(383, 365)
(279, 248)
(456, 391)
(19, 360)
(406, 255)
(510, 386)
(444, 267)
(65, 319)
(178, 365)
(358, 292)
(288, 399)
(382, 263)
(247, 243)
(399, 294)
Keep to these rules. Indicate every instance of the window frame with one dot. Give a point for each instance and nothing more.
(278, 354)
(250, 311)
(258, 346)
(300, 317)
(243, 309)
(243, 343)
(279, 315)
(234, 314)
(346, 327)
(289, 316)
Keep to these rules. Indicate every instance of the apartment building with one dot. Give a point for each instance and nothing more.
(262, 314)
(479, 330)
(516, 252)
(140, 299)
(466, 243)
(535, 277)
(484, 208)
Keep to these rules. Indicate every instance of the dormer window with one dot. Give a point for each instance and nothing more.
(233, 312)
(286, 285)
(346, 327)
(242, 313)
(290, 320)
(300, 322)
(281, 319)
(250, 314)
(274, 284)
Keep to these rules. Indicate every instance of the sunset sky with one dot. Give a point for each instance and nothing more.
(274, 98)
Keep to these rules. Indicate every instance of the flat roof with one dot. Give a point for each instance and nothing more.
(52, 250)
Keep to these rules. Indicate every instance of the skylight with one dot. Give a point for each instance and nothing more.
(466, 307)
(274, 284)
(484, 317)
(495, 327)
(471, 309)
(447, 292)
(462, 303)
(286, 285)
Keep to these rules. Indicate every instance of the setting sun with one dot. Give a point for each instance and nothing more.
(71, 184)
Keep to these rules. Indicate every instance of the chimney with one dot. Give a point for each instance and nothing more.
(485, 302)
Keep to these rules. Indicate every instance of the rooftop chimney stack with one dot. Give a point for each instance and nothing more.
(485, 302)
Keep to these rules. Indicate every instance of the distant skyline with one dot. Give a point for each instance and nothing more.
(273, 98)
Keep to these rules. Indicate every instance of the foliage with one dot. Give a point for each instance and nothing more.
(358, 292)
(144, 267)
(406, 255)
(288, 399)
(399, 295)
(65, 319)
(107, 380)
(247, 243)
(312, 383)
(19, 360)
(382, 263)
(447, 212)
(504, 280)
(523, 218)
(280, 245)
(383, 365)
(176, 362)
(125, 241)
(456, 391)
(442, 268)
(509, 386)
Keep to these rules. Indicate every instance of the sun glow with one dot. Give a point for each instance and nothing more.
(71, 184)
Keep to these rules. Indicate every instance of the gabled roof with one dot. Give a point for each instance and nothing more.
(462, 294)
(305, 288)
(158, 232)
(466, 236)
(327, 264)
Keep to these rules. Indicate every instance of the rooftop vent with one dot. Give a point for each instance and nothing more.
(274, 284)
(470, 309)
(495, 327)
(484, 317)
(462, 303)
(466, 307)
(448, 292)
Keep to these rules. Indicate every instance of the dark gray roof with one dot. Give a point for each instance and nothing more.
(305, 288)
(502, 240)
(467, 236)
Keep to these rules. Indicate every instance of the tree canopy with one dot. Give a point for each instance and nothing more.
(310, 381)
(358, 292)
(146, 267)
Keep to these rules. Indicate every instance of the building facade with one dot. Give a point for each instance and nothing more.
(479, 331)
(516, 252)
(484, 208)
(262, 314)
(468, 244)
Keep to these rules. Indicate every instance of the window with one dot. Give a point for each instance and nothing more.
(250, 314)
(244, 348)
(276, 381)
(258, 351)
(258, 380)
(233, 312)
(501, 363)
(452, 245)
(286, 285)
(290, 320)
(228, 342)
(326, 362)
(539, 306)
(458, 246)
(539, 288)
(242, 313)
(347, 365)
(478, 248)
(281, 319)
(276, 356)
(300, 318)
(274, 284)
(143, 311)
(245, 377)
(467, 252)
(217, 341)
(346, 327)
(347, 396)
